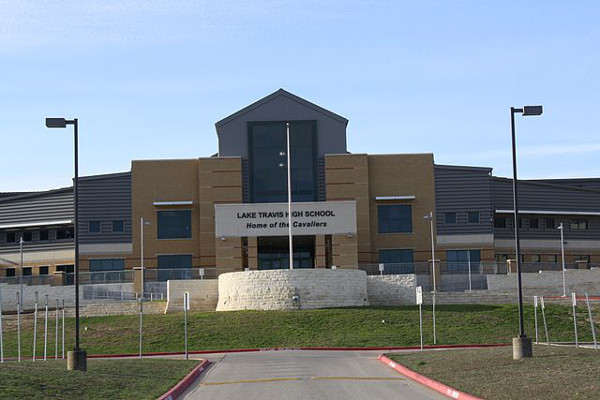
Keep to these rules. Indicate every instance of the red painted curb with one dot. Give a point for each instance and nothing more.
(430, 383)
(185, 383)
(179, 353)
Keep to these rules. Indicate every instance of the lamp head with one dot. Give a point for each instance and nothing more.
(532, 110)
(56, 123)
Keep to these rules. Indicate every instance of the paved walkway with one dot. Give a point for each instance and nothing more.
(302, 374)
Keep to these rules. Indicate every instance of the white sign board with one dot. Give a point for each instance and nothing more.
(542, 303)
(419, 295)
(186, 301)
(271, 219)
(535, 301)
(574, 299)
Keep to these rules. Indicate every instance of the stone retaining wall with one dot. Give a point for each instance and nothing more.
(203, 294)
(292, 289)
(391, 290)
(548, 283)
(117, 308)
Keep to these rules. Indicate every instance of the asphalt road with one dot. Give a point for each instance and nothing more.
(301, 374)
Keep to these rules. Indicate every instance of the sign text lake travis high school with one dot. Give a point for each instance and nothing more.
(271, 219)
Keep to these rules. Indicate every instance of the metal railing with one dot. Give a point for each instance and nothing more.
(462, 267)
(91, 293)
(32, 280)
(165, 274)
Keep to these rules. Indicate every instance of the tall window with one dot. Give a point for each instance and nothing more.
(174, 224)
(395, 218)
(268, 161)
(458, 260)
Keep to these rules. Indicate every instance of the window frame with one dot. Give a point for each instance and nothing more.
(389, 229)
(470, 213)
(112, 226)
(160, 236)
(447, 220)
(94, 223)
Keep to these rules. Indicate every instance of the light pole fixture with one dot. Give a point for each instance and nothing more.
(76, 359)
(522, 347)
(429, 217)
(562, 251)
(143, 223)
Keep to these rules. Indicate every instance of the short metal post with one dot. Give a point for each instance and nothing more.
(544, 317)
(574, 298)
(56, 332)
(421, 324)
(185, 307)
(63, 330)
(535, 307)
(18, 328)
(35, 310)
(141, 321)
(469, 265)
(1, 337)
(587, 300)
(434, 331)
(46, 330)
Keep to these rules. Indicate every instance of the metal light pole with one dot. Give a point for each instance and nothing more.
(522, 347)
(289, 188)
(21, 241)
(142, 224)
(76, 359)
(429, 218)
(562, 251)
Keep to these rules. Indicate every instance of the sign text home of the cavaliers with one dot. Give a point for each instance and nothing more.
(271, 219)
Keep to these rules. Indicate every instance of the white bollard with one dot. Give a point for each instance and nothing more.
(35, 310)
(46, 330)
(56, 332)
(574, 299)
(587, 300)
(141, 322)
(186, 307)
(18, 328)
(544, 317)
(535, 307)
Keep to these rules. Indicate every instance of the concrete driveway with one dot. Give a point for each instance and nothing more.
(302, 374)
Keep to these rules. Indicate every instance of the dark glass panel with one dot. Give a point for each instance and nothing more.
(176, 224)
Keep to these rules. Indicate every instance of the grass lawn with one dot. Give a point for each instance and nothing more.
(553, 372)
(114, 379)
(456, 324)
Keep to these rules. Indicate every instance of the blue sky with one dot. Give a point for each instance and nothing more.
(148, 79)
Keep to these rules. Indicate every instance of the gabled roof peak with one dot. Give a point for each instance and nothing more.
(274, 95)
